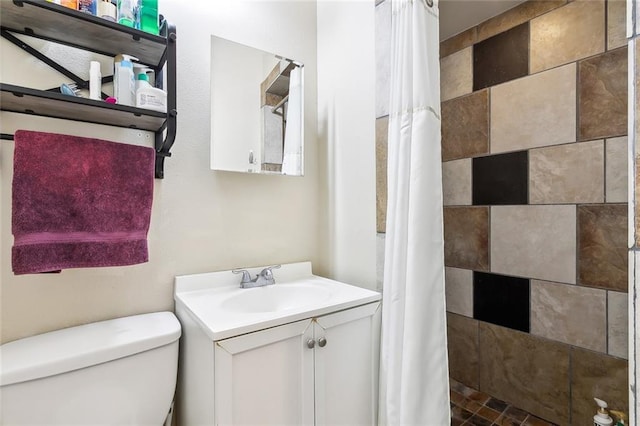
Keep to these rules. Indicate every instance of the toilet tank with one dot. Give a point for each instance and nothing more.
(115, 372)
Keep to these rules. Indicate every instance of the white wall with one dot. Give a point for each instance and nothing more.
(346, 120)
(202, 220)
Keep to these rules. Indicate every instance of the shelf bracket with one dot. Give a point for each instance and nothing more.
(164, 142)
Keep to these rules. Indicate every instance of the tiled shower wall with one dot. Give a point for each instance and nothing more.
(534, 150)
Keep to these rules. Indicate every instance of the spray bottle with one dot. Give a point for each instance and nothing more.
(124, 84)
(602, 417)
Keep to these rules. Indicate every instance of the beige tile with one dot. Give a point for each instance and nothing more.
(459, 291)
(534, 241)
(383, 57)
(616, 23)
(534, 111)
(569, 33)
(597, 375)
(456, 182)
(616, 170)
(569, 314)
(527, 371)
(465, 126)
(516, 16)
(456, 74)
(462, 338)
(458, 42)
(466, 237)
(618, 324)
(602, 246)
(571, 173)
(382, 127)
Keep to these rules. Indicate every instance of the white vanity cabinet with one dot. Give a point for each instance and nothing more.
(303, 351)
(319, 371)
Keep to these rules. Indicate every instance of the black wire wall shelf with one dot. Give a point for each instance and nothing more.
(55, 23)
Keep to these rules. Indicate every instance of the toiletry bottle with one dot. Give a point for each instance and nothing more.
(602, 417)
(89, 6)
(150, 97)
(620, 416)
(127, 12)
(123, 80)
(72, 4)
(107, 10)
(95, 81)
(149, 16)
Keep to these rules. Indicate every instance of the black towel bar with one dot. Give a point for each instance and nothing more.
(6, 136)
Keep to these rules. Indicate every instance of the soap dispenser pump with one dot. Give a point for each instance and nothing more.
(602, 417)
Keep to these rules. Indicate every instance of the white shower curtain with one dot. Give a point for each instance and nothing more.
(292, 159)
(414, 387)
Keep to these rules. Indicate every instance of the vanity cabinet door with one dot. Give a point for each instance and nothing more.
(266, 377)
(346, 366)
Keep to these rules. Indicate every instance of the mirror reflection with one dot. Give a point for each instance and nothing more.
(257, 110)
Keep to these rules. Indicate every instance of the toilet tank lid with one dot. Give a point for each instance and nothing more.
(78, 347)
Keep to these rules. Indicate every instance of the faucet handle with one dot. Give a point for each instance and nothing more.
(267, 272)
(246, 277)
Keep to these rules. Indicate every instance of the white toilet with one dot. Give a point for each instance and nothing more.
(116, 372)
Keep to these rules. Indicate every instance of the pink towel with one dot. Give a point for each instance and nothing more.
(79, 202)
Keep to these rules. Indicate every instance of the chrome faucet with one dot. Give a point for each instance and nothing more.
(265, 277)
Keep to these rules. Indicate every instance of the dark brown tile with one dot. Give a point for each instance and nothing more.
(471, 406)
(526, 371)
(602, 246)
(478, 421)
(501, 300)
(477, 396)
(516, 413)
(456, 422)
(456, 386)
(603, 95)
(458, 42)
(382, 127)
(465, 126)
(466, 237)
(501, 58)
(597, 375)
(462, 337)
(457, 398)
(459, 413)
(496, 404)
(501, 179)
(506, 421)
(518, 15)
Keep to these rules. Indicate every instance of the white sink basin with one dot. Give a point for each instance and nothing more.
(274, 298)
(223, 309)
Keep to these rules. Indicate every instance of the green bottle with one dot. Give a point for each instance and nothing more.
(149, 16)
(126, 13)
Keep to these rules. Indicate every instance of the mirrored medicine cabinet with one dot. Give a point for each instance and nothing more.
(257, 110)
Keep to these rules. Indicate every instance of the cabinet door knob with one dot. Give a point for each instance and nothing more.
(322, 342)
(311, 343)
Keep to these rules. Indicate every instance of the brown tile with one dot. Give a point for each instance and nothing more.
(465, 126)
(526, 371)
(602, 95)
(597, 375)
(602, 246)
(456, 398)
(516, 16)
(471, 406)
(477, 396)
(506, 421)
(466, 237)
(462, 337)
(382, 127)
(488, 413)
(457, 386)
(616, 23)
(456, 422)
(459, 413)
(501, 58)
(496, 404)
(458, 42)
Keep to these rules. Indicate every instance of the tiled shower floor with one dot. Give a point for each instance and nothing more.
(470, 407)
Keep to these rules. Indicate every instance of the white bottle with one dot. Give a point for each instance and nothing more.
(95, 81)
(150, 97)
(602, 417)
(124, 85)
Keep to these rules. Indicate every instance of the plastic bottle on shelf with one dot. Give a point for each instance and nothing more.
(124, 85)
(72, 4)
(148, 96)
(149, 16)
(106, 10)
(127, 12)
(89, 6)
(95, 81)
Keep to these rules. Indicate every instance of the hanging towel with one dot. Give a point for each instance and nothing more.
(79, 202)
